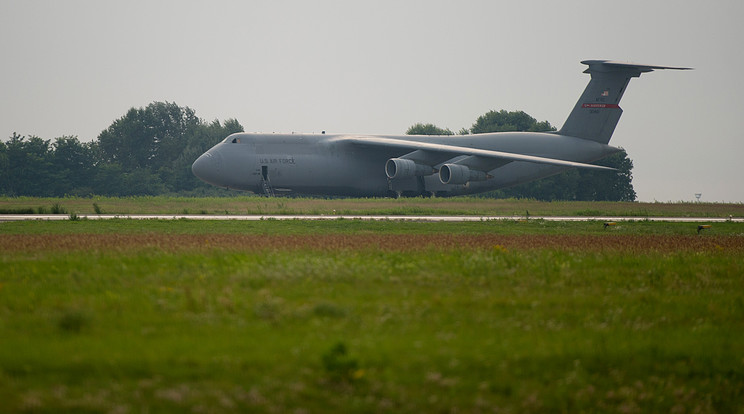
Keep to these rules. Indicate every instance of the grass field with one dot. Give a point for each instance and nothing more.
(354, 316)
(371, 206)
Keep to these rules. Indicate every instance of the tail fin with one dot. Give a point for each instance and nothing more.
(597, 112)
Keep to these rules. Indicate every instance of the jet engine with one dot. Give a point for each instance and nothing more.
(460, 174)
(404, 168)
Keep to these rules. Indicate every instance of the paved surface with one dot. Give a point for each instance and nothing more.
(22, 217)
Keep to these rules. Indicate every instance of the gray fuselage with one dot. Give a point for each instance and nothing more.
(326, 164)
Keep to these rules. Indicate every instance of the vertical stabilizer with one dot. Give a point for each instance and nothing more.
(598, 110)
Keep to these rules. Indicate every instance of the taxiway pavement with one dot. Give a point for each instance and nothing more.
(26, 217)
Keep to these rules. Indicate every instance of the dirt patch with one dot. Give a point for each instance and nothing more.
(387, 242)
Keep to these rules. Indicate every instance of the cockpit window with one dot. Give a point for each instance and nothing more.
(235, 140)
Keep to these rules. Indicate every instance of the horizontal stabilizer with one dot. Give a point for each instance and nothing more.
(612, 65)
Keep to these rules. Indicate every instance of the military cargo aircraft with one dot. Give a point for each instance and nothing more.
(420, 165)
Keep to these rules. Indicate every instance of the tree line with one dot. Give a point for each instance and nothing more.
(149, 151)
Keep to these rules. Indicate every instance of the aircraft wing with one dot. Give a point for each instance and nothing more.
(454, 151)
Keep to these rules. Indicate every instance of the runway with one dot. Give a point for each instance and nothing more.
(31, 217)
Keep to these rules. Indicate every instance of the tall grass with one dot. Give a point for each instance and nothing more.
(538, 330)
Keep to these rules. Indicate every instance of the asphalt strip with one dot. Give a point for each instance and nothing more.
(30, 217)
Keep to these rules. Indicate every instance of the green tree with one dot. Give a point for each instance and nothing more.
(148, 137)
(608, 186)
(428, 129)
(141, 181)
(4, 169)
(173, 127)
(155, 146)
(74, 165)
(109, 180)
(29, 167)
(128, 141)
(148, 151)
(177, 175)
(503, 121)
(561, 186)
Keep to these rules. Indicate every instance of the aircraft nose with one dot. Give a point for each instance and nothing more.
(208, 168)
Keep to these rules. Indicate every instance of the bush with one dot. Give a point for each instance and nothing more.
(339, 365)
(58, 209)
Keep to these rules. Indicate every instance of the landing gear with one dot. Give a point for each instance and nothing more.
(420, 190)
(392, 194)
(410, 194)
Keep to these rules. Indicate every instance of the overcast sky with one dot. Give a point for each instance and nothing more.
(73, 67)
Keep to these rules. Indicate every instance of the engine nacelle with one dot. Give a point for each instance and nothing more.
(404, 168)
(459, 174)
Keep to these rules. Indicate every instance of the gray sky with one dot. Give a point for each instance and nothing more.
(73, 67)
